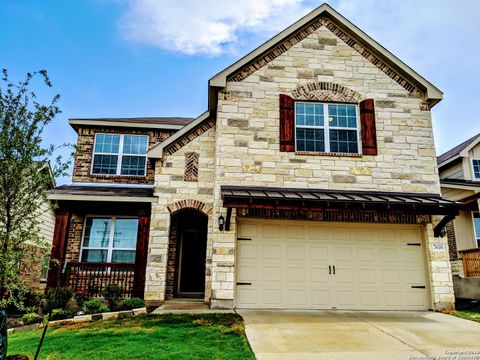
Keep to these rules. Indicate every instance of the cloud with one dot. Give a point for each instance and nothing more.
(206, 27)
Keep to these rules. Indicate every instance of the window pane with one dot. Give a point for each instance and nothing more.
(94, 255)
(476, 169)
(133, 165)
(344, 141)
(123, 256)
(97, 232)
(310, 140)
(125, 235)
(309, 114)
(135, 144)
(476, 221)
(107, 143)
(342, 116)
(105, 164)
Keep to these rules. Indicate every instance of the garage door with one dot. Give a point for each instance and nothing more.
(291, 264)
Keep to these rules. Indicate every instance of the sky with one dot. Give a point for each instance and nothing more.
(129, 58)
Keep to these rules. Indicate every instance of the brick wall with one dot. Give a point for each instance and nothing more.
(84, 153)
(74, 239)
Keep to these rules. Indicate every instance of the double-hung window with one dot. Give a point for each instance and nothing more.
(476, 226)
(109, 239)
(325, 127)
(476, 169)
(116, 154)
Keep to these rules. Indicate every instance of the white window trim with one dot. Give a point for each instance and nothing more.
(119, 155)
(326, 127)
(474, 178)
(477, 239)
(110, 247)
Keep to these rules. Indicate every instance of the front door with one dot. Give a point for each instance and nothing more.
(192, 249)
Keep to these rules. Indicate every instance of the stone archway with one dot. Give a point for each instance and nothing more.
(326, 91)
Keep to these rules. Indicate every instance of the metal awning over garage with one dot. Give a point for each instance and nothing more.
(322, 199)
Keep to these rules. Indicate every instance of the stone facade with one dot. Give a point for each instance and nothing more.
(242, 148)
(84, 153)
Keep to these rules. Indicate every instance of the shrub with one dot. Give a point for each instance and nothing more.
(60, 314)
(31, 318)
(94, 307)
(112, 293)
(57, 298)
(132, 303)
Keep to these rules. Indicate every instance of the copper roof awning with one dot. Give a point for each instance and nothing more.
(102, 193)
(322, 199)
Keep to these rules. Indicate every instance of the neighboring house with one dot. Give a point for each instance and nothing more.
(35, 275)
(310, 182)
(459, 170)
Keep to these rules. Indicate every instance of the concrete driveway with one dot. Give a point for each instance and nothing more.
(331, 335)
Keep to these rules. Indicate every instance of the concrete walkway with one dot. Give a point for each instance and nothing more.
(312, 335)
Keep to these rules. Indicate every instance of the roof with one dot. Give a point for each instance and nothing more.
(157, 151)
(455, 152)
(173, 123)
(321, 199)
(101, 193)
(433, 94)
(460, 182)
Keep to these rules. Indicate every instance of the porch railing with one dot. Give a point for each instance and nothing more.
(471, 262)
(90, 279)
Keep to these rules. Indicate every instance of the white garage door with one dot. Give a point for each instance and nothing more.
(292, 264)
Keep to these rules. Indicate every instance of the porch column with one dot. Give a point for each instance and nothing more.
(441, 284)
(57, 255)
(141, 254)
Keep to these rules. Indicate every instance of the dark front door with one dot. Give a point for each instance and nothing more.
(192, 249)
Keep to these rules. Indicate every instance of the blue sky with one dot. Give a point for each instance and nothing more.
(119, 58)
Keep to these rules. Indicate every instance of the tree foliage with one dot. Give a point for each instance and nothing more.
(25, 176)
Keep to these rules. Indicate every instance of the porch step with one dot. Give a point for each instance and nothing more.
(184, 304)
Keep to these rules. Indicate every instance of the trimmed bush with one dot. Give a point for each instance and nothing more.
(132, 303)
(60, 314)
(94, 307)
(112, 293)
(57, 298)
(31, 318)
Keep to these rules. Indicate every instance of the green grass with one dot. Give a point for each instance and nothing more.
(203, 336)
(470, 314)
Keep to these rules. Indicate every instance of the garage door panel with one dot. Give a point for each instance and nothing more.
(272, 252)
(295, 252)
(287, 264)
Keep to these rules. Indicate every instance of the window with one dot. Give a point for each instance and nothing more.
(323, 127)
(120, 154)
(109, 239)
(476, 225)
(45, 267)
(476, 169)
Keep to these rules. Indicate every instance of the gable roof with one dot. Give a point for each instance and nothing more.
(457, 151)
(376, 53)
(433, 95)
(173, 123)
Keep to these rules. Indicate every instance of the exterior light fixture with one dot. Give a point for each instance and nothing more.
(221, 222)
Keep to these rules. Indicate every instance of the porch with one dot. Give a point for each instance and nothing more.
(101, 238)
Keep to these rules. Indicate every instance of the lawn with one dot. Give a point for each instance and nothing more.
(470, 314)
(203, 336)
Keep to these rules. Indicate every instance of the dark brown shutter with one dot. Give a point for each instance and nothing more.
(287, 124)
(369, 131)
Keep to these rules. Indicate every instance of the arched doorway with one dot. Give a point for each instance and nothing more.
(187, 254)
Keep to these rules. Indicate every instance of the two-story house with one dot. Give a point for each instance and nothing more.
(310, 182)
(459, 170)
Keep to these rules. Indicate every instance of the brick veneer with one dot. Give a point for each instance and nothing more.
(452, 242)
(84, 153)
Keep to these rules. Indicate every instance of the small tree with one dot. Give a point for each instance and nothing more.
(23, 179)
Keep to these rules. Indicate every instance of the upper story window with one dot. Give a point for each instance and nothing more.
(116, 154)
(322, 127)
(476, 226)
(476, 169)
(109, 239)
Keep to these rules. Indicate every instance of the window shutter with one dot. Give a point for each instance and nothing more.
(287, 124)
(369, 132)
